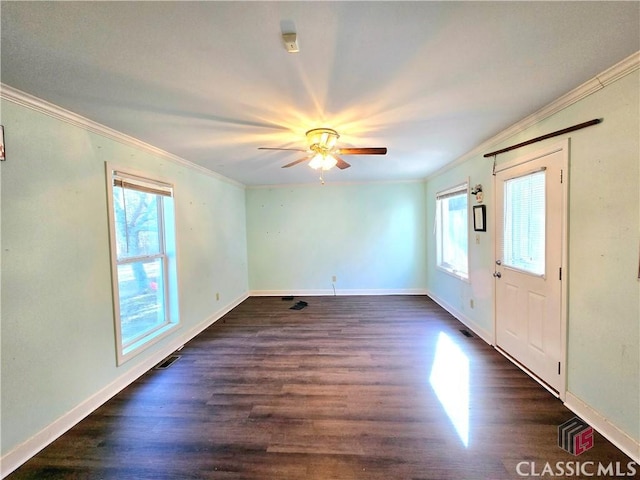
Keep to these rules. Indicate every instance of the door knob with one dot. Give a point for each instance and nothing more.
(497, 274)
(498, 262)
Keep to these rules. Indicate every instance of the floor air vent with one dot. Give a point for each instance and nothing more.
(466, 333)
(167, 362)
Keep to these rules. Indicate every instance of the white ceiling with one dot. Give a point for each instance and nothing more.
(212, 81)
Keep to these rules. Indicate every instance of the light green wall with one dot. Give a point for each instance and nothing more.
(604, 223)
(58, 346)
(454, 294)
(370, 236)
(57, 329)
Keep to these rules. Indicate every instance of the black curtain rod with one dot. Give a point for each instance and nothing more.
(595, 121)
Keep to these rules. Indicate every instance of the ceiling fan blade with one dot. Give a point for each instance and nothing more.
(295, 162)
(341, 163)
(292, 149)
(363, 151)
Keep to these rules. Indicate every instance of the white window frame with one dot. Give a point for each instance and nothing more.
(167, 255)
(459, 189)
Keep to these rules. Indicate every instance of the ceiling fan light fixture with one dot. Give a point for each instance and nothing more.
(322, 138)
(323, 154)
(317, 161)
(322, 162)
(329, 162)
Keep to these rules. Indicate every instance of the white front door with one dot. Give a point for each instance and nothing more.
(530, 215)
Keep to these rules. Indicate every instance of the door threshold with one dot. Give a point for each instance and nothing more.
(544, 384)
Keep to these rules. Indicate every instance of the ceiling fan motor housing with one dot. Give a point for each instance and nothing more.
(322, 140)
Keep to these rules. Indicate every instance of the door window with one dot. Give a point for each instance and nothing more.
(524, 223)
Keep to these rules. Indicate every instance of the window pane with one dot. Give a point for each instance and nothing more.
(141, 298)
(524, 223)
(453, 233)
(137, 222)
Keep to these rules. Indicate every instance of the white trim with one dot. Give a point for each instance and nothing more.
(172, 316)
(454, 273)
(612, 74)
(614, 434)
(338, 292)
(461, 317)
(454, 191)
(611, 432)
(619, 70)
(39, 105)
(461, 189)
(23, 452)
(564, 285)
(543, 152)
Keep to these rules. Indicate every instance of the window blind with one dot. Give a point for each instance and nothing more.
(142, 185)
(452, 192)
(524, 222)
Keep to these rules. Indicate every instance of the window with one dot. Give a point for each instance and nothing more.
(452, 225)
(524, 223)
(143, 261)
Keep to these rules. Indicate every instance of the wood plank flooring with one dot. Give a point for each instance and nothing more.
(343, 389)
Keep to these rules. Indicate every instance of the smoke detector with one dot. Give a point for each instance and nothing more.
(291, 42)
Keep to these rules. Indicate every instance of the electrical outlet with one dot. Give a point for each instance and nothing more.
(217, 296)
(477, 239)
(334, 278)
(471, 302)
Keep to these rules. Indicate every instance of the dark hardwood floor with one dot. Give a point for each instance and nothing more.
(346, 388)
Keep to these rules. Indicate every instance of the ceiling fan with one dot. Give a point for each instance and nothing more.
(322, 151)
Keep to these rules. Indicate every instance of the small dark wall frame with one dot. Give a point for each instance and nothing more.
(480, 218)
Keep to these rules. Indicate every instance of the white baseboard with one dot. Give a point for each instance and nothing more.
(23, 452)
(607, 429)
(477, 329)
(337, 292)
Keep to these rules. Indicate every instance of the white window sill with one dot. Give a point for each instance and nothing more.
(454, 273)
(141, 345)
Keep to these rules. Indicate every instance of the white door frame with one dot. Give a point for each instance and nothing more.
(563, 147)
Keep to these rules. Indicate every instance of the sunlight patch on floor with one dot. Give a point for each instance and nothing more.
(450, 381)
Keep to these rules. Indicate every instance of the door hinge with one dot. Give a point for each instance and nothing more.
(560, 274)
(558, 368)
(561, 175)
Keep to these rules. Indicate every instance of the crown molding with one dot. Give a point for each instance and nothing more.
(619, 70)
(27, 100)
